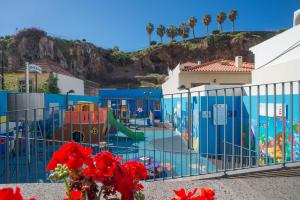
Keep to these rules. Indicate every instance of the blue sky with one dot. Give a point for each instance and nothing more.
(109, 23)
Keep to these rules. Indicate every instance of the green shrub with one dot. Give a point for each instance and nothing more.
(32, 33)
(152, 43)
(216, 32)
(119, 57)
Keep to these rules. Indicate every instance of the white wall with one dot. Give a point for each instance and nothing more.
(66, 83)
(271, 48)
(170, 86)
(283, 72)
(187, 78)
(285, 67)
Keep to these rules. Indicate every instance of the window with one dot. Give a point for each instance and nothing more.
(22, 86)
(156, 105)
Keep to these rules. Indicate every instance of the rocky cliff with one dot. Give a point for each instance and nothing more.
(114, 68)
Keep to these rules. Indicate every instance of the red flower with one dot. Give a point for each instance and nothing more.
(75, 195)
(182, 195)
(139, 187)
(72, 155)
(124, 183)
(103, 166)
(136, 169)
(9, 194)
(208, 193)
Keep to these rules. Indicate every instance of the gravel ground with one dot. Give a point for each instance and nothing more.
(271, 185)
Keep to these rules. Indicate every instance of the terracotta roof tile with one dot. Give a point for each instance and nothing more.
(219, 66)
(188, 64)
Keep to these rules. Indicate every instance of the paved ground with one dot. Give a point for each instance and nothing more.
(272, 184)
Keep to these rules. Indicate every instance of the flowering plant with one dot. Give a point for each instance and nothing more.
(10, 194)
(80, 171)
(205, 194)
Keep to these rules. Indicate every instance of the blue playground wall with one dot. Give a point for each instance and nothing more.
(3, 102)
(133, 96)
(211, 138)
(60, 99)
(263, 131)
(248, 133)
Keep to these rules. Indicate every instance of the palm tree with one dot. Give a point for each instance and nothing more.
(149, 29)
(232, 17)
(192, 23)
(161, 30)
(172, 32)
(206, 19)
(220, 19)
(183, 30)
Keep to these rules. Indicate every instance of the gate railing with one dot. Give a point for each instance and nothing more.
(192, 132)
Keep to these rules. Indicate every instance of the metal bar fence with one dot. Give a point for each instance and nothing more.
(183, 134)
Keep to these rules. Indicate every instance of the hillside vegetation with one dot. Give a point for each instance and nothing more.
(114, 68)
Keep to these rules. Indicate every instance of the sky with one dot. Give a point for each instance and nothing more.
(110, 23)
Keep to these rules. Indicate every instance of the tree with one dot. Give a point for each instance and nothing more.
(149, 29)
(220, 19)
(52, 84)
(183, 30)
(206, 19)
(232, 17)
(161, 30)
(192, 23)
(172, 32)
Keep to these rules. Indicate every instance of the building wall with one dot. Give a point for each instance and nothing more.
(66, 83)
(249, 123)
(269, 49)
(3, 106)
(207, 137)
(12, 79)
(187, 78)
(270, 65)
(170, 86)
(282, 72)
(59, 100)
(135, 98)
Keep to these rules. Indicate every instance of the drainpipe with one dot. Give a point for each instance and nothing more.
(27, 77)
(2, 70)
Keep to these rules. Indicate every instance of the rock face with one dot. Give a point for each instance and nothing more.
(113, 68)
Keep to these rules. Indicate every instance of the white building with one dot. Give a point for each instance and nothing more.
(216, 73)
(278, 59)
(65, 80)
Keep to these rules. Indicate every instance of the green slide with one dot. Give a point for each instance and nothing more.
(126, 131)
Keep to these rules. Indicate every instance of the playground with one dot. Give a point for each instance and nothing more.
(173, 135)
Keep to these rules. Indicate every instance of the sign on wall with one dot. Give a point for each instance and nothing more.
(279, 111)
(206, 114)
(34, 68)
(220, 114)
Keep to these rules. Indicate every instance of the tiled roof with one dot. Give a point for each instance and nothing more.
(219, 66)
(50, 66)
(188, 64)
